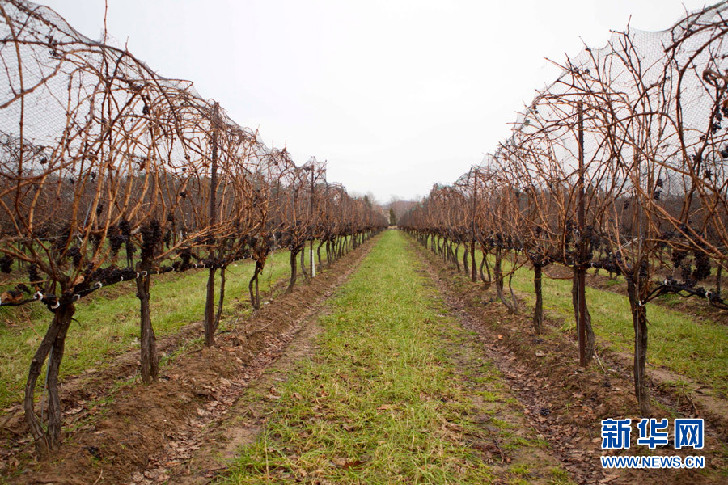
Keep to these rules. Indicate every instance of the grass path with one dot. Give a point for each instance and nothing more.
(397, 393)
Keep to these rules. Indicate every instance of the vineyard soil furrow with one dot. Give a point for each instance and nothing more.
(678, 338)
(127, 430)
(566, 403)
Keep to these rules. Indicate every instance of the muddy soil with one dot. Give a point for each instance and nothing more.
(118, 431)
(204, 454)
(564, 402)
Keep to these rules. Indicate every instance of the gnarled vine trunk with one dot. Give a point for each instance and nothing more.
(52, 347)
(255, 297)
(538, 308)
(639, 323)
(210, 310)
(292, 261)
(512, 303)
(149, 359)
(590, 338)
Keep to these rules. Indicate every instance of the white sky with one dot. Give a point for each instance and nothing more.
(395, 94)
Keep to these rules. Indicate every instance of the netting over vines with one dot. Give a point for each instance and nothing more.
(618, 164)
(110, 172)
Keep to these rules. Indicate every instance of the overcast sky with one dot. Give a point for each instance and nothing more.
(395, 94)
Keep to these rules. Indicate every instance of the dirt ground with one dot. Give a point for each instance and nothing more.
(117, 431)
(209, 402)
(565, 402)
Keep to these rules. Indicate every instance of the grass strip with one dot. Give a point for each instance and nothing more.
(397, 393)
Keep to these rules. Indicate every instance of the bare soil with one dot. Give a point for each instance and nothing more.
(564, 402)
(205, 454)
(119, 431)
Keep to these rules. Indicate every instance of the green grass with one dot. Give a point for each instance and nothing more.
(696, 348)
(383, 401)
(107, 323)
(677, 341)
